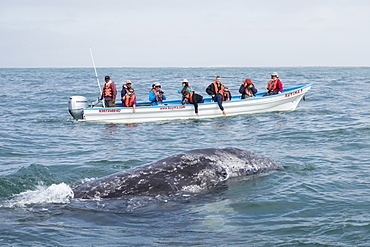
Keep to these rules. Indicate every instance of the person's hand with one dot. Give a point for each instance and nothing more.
(213, 95)
(133, 110)
(197, 114)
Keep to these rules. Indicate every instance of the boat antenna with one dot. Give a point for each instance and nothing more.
(96, 75)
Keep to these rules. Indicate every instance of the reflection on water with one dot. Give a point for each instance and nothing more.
(131, 125)
(112, 129)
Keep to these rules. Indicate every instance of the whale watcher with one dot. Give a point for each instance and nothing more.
(216, 90)
(185, 87)
(247, 89)
(156, 95)
(125, 88)
(193, 98)
(130, 100)
(227, 95)
(109, 92)
(274, 86)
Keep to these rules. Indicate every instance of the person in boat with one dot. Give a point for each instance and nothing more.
(227, 95)
(193, 98)
(274, 86)
(109, 92)
(216, 90)
(247, 89)
(125, 88)
(156, 95)
(129, 99)
(184, 87)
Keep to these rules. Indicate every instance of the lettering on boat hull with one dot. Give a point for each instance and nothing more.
(172, 107)
(110, 110)
(293, 93)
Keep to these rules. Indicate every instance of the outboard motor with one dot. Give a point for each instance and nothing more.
(76, 105)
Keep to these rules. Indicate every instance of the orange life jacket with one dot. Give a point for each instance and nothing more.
(190, 99)
(107, 90)
(247, 89)
(129, 100)
(158, 96)
(221, 90)
(226, 96)
(272, 84)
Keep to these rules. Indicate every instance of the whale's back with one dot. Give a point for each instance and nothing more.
(190, 171)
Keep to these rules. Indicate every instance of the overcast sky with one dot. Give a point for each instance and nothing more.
(186, 33)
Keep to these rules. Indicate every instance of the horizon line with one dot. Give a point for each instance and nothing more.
(217, 66)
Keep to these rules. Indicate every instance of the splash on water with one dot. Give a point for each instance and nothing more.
(56, 193)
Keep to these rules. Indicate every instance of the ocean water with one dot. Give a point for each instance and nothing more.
(321, 199)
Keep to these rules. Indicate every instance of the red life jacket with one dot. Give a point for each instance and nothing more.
(107, 90)
(158, 96)
(226, 96)
(220, 91)
(272, 84)
(129, 100)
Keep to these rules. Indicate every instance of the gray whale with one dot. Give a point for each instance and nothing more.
(191, 171)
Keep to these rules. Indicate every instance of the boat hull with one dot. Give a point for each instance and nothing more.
(174, 110)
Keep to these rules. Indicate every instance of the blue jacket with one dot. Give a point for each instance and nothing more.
(187, 89)
(153, 98)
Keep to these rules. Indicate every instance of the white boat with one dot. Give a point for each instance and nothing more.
(173, 109)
